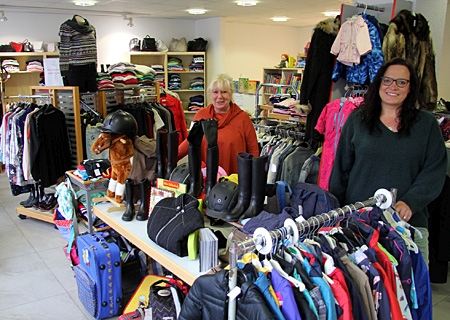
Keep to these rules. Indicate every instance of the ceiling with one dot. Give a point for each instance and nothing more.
(299, 12)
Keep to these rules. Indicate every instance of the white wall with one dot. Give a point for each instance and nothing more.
(113, 34)
(251, 47)
(444, 68)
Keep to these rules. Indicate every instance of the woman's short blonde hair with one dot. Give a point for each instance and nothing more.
(223, 82)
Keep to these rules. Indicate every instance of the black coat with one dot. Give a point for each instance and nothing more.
(316, 82)
(207, 300)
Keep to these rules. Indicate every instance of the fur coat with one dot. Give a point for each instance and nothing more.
(408, 36)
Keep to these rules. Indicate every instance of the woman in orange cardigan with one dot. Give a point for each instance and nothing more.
(235, 129)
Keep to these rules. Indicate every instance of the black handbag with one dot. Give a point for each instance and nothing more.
(148, 44)
(198, 44)
(163, 300)
(172, 221)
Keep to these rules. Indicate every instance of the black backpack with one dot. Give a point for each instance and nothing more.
(198, 44)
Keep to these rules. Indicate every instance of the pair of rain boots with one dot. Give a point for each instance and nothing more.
(144, 193)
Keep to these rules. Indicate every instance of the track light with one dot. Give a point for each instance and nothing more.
(130, 21)
(3, 18)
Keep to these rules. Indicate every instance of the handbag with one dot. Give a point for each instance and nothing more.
(135, 44)
(148, 44)
(171, 222)
(165, 301)
(27, 46)
(18, 46)
(178, 45)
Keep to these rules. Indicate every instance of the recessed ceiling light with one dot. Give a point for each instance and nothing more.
(85, 3)
(247, 3)
(280, 19)
(331, 13)
(196, 11)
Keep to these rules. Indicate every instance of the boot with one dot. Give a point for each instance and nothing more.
(259, 182)
(244, 162)
(128, 215)
(142, 214)
(210, 131)
(172, 153)
(161, 152)
(195, 138)
(35, 199)
(30, 197)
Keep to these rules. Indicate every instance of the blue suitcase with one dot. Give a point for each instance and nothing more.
(98, 275)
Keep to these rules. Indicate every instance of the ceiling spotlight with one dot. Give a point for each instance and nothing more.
(3, 18)
(280, 19)
(86, 3)
(130, 20)
(196, 11)
(247, 3)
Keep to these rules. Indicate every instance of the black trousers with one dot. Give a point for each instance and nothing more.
(83, 76)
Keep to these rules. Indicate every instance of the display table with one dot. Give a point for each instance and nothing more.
(88, 187)
(136, 232)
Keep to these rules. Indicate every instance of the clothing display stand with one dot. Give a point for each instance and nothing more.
(262, 241)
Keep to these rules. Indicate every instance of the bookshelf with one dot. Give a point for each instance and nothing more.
(279, 81)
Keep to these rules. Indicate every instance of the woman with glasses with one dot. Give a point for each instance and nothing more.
(390, 143)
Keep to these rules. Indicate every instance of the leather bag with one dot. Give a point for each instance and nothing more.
(172, 221)
(178, 45)
(148, 44)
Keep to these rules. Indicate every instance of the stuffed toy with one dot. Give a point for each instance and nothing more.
(121, 151)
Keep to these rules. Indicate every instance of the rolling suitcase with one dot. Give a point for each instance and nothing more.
(98, 275)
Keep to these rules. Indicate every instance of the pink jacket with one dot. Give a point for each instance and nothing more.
(352, 41)
(330, 123)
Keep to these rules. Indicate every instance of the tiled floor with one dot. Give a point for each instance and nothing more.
(36, 281)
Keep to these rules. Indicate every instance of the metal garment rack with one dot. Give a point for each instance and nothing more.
(382, 198)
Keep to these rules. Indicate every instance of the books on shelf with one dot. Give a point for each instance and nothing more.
(209, 249)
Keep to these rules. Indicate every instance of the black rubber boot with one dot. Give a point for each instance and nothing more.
(259, 182)
(172, 152)
(35, 200)
(161, 153)
(142, 214)
(210, 131)
(30, 198)
(128, 215)
(195, 159)
(244, 162)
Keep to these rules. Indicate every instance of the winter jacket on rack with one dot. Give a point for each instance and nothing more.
(409, 36)
(365, 71)
(316, 82)
(207, 300)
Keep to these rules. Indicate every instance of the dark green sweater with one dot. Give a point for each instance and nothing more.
(415, 165)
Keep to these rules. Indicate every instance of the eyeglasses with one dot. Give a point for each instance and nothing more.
(401, 83)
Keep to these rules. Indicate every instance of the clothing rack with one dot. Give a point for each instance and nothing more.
(382, 198)
(369, 7)
(278, 130)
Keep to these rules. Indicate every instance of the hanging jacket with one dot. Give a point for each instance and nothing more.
(207, 300)
(316, 82)
(370, 63)
(330, 124)
(409, 36)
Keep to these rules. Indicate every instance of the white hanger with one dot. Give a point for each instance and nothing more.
(277, 267)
